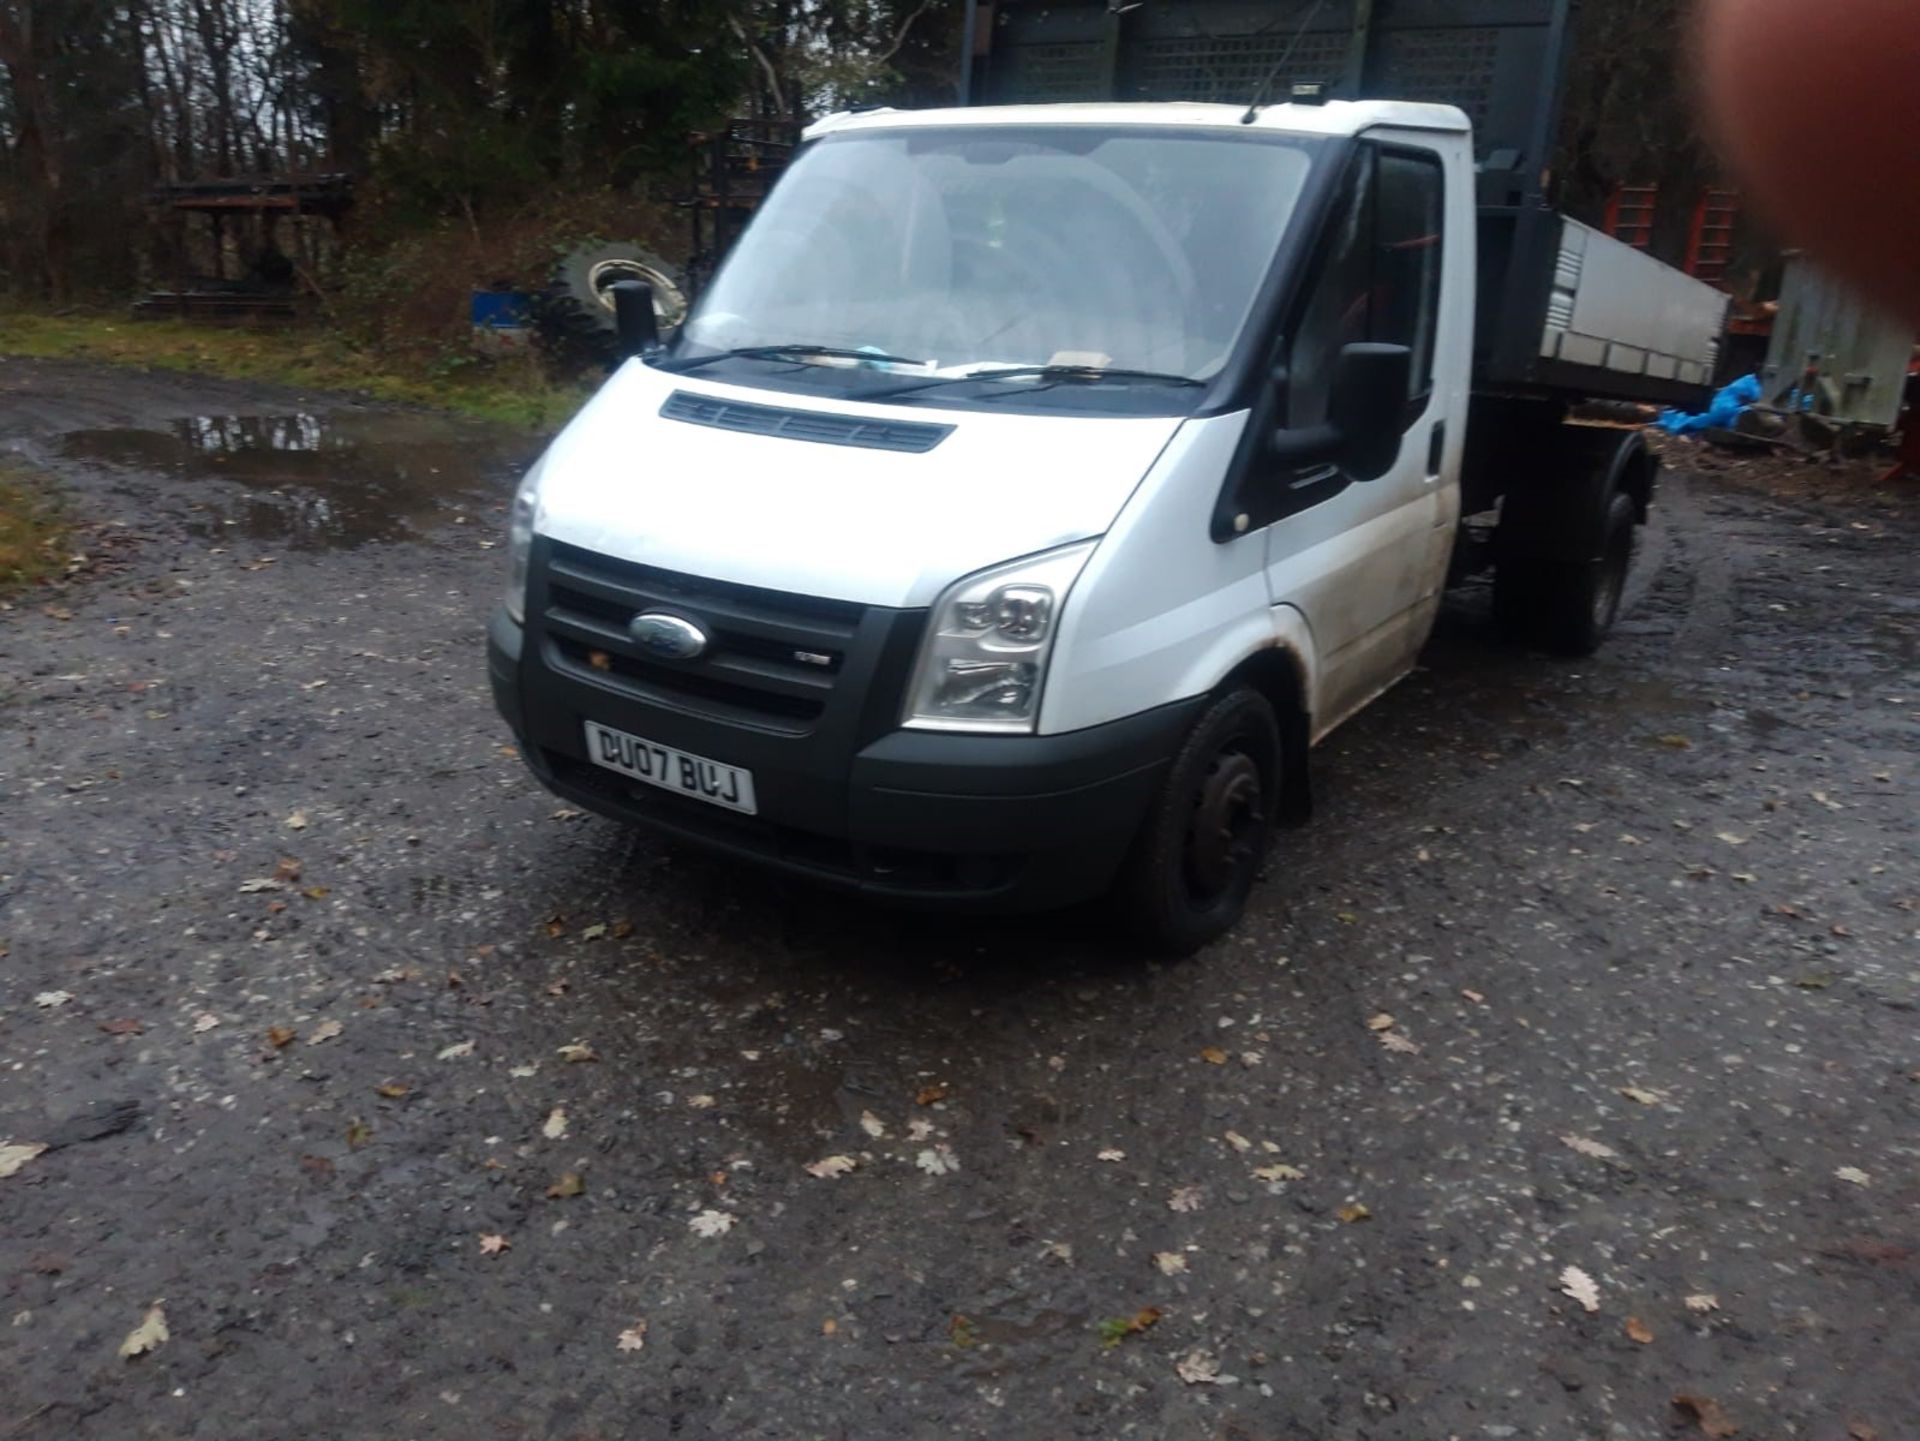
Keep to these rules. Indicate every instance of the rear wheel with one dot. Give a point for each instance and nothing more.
(1194, 862)
(1569, 608)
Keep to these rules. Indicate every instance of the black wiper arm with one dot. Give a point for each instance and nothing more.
(789, 352)
(1087, 374)
(1082, 372)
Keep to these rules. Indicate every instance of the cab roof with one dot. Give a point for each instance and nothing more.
(1334, 117)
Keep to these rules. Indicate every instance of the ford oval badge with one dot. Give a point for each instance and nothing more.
(667, 636)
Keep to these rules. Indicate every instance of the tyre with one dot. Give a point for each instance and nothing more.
(1568, 608)
(1199, 850)
(575, 315)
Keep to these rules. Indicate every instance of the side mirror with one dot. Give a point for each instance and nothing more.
(633, 318)
(1362, 431)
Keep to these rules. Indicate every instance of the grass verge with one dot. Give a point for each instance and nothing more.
(33, 530)
(511, 391)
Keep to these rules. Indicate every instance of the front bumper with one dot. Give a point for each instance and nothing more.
(1001, 822)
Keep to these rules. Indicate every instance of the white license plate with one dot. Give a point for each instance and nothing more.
(670, 769)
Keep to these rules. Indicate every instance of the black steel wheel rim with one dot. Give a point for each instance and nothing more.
(1613, 578)
(1229, 815)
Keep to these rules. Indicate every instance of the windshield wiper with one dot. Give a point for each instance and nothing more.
(788, 352)
(1085, 374)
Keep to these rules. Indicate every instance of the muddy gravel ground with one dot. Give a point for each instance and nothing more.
(422, 1107)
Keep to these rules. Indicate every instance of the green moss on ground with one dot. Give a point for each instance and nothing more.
(512, 391)
(33, 529)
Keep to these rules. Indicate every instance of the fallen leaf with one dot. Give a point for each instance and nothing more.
(556, 926)
(325, 1031)
(205, 1021)
(1400, 1042)
(1643, 1096)
(1213, 1055)
(593, 932)
(1675, 742)
(1238, 1141)
(1111, 1153)
(1353, 1213)
(919, 1130)
(961, 1331)
(16, 1154)
(127, 1027)
(1199, 1368)
(711, 1223)
(1637, 1331)
(556, 1125)
(287, 870)
(1116, 1329)
(929, 1095)
(1279, 1172)
(829, 1327)
(1380, 1022)
(828, 1168)
(520, 1073)
(1858, 1430)
(1853, 1175)
(47, 1000)
(872, 1125)
(494, 1245)
(297, 821)
(1578, 1284)
(258, 884)
(1186, 1198)
(569, 1184)
(634, 1338)
(392, 1090)
(937, 1161)
(1596, 1149)
(1730, 838)
(150, 1333)
(1702, 1303)
(1713, 1422)
(575, 1052)
(1057, 1251)
(280, 1037)
(1170, 1263)
(1474, 996)
(701, 1102)
(455, 1052)
(358, 1134)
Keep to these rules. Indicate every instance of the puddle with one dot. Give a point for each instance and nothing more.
(319, 481)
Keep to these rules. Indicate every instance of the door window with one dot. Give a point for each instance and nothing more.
(1379, 278)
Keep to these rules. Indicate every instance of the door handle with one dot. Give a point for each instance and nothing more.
(1436, 449)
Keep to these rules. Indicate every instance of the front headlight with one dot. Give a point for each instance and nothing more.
(526, 507)
(984, 661)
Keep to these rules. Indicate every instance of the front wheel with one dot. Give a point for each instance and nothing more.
(1194, 862)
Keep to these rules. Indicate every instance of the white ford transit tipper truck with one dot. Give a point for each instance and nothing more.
(1035, 485)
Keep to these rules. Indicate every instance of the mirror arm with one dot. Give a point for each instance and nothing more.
(1309, 442)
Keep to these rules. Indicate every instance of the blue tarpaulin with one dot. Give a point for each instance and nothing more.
(1720, 415)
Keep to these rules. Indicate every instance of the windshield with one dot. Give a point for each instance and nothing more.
(946, 250)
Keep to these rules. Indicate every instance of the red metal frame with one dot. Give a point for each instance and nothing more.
(1630, 212)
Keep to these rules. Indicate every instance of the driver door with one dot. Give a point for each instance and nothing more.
(1365, 562)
